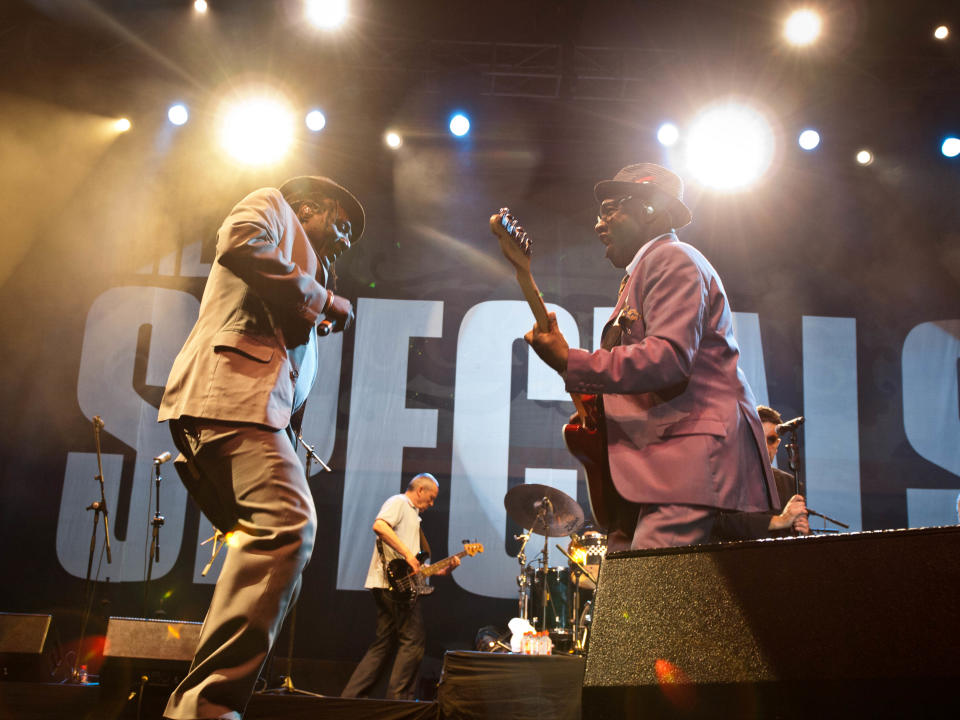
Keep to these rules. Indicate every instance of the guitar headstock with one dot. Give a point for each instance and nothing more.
(515, 244)
(472, 549)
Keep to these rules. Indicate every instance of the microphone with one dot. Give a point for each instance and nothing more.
(97, 422)
(789, 425)
(162, 458)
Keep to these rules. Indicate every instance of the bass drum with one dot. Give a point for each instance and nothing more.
(588, 550)
(554, 615)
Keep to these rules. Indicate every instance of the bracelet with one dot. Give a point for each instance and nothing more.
(328, 303)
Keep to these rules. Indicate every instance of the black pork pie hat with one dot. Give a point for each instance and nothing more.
(308, 187)
(648, 180)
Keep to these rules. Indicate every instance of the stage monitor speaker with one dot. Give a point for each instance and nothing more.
(148, 639)
(146, 657)
(859, 623)
(23, 642)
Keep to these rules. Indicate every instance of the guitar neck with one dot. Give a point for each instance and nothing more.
(535, 300)
(434, 568)
(533, 297)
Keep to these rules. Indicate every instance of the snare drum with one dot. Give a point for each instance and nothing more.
(589, 551)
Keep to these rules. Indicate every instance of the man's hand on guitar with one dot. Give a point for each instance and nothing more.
(412, 562)
(550, 345)
(454, 563)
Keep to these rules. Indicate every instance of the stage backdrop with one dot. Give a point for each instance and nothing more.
(845, 296)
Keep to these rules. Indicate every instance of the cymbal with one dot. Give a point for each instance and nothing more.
(543, 509)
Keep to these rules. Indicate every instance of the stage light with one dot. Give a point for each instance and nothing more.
(393, 139)
(729, 147)
(122, 125)
(326, 14)
(668, 134)
(257, 129)
(200, 6)
(316, 120)
(941, 32)
(950, 147)
(459, 124)
(809, 139)
(178, 114)
(864, 157)
(802, 27)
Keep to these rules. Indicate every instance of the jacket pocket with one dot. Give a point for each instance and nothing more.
(252, 347)
(692, 426)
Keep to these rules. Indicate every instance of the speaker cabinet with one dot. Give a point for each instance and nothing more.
(23, 646)
(149, 639)
(863, 623)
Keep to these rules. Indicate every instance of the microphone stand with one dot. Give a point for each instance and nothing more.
(157, 523)
(793, 457)
(522, 580)
(286, 686)
(97, 507)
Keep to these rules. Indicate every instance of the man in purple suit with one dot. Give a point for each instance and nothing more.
(683, 437)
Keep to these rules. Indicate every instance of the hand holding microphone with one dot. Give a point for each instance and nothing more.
(339, 314)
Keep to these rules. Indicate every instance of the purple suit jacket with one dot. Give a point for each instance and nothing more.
(681, 421)
(260, 306)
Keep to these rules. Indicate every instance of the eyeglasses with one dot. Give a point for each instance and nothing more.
(609, 207)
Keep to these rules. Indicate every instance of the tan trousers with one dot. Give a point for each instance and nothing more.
(248, 479)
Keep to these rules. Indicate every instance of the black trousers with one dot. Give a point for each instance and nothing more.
(400, 637)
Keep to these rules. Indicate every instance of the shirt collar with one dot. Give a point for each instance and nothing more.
(642, 251)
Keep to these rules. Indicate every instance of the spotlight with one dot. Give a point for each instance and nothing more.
(459, 124)
(729, 147)
(393, 139)
(177, 114)
(941, 32)
(316, 120)
(809, 139)
(200, 6)
(950, 147)
(865, 157)
(490, 639)
(122, 125)
(326, 14)
(802, 27)
(257, 129)
(668, 134)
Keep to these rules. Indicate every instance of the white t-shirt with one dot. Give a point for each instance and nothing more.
(400, 514)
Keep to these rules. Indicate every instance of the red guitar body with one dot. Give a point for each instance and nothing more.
(589, 446)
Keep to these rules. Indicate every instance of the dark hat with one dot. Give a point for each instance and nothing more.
(655, 181)
(309, 187)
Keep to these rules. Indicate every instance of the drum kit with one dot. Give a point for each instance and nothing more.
(556, 599)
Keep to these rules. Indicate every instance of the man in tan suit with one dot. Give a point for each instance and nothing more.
(244, 371)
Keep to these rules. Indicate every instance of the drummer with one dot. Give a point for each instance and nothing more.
(588, 548)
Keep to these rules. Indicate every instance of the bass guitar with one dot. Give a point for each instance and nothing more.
(584, 434)
(409, 584)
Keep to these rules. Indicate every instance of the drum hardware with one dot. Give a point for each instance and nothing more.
(581, 616)
(545, 511)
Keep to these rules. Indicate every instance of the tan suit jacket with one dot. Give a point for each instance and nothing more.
(264, 296)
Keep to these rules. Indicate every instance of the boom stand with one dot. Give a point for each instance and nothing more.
(88, 590)
(157, 523)
(793, 457)
(286, 686)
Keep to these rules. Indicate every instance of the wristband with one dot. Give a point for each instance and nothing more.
(328, 303)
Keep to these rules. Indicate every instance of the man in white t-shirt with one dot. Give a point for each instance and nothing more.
(400, 632)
